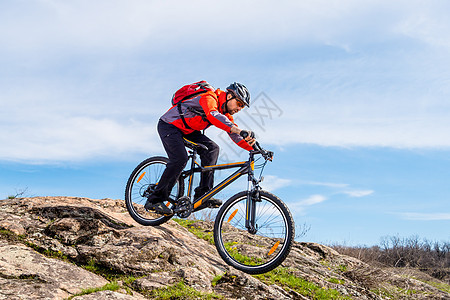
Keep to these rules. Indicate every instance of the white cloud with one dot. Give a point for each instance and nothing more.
(272, 183)
(58, 139)
(73, 73)
(313, 199)
(339, 188)
(325, 184)
(425, 216)
(358, 193)
(404, 120)
(427, 24)
(122, 25)
(299, 207)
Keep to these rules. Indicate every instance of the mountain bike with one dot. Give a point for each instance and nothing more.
(253, 230)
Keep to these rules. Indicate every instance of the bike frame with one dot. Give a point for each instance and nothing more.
(245, 168)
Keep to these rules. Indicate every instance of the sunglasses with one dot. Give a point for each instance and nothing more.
(240, 103)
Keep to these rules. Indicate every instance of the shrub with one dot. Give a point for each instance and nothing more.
(430, 257)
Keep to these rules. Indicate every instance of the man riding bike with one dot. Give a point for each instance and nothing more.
(186, 120)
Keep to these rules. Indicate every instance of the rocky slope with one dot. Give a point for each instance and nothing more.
(79, 248)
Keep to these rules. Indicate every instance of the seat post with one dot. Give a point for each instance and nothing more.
(192, 156)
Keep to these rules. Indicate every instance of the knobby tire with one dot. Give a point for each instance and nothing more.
(254, 253)
(145, 174)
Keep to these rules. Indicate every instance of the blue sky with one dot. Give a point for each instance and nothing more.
(352, 96)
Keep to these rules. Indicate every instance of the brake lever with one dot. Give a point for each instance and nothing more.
(268, 155)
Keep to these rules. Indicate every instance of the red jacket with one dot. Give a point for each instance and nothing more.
(212, 104)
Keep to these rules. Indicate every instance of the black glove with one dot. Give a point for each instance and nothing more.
(246, 133)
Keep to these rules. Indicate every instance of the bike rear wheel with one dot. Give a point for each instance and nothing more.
(260, 252)
(142, 180)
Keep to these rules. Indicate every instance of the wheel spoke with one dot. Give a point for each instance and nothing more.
(141, 182)
(254, 253)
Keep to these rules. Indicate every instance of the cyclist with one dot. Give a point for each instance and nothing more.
(198, 113)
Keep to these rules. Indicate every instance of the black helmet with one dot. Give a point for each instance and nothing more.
(240, 92)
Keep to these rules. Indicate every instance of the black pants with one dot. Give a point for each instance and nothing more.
(172, 140)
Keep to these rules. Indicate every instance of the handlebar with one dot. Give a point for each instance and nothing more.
(246, 133)
(268, 155)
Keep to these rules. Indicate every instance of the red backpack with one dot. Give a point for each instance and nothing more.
(190, 91)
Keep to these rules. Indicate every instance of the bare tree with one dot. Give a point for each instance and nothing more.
(20, 193)
(394, 251)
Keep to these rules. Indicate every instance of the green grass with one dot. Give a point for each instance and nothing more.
(180, 291)
(250, 261)
(393, 292)
(183, 222)
(112, 286)
(335, 280)
(47, 252)
(439, 285)
(282, 276)
(111, 275)
(342, 268)
(279, 276)
(107, 273)
(11, 236)
(94, 267)
(207, 236)
(216, 279)
(385, 293)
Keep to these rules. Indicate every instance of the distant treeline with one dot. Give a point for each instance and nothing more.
(432, 258)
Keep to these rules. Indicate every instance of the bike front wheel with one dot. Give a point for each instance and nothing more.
(142, 181)
(260, 252)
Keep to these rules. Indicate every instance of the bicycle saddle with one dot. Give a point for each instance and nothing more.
(192, 145)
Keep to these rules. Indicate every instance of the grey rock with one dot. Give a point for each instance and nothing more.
(100, 232)
(26, 274)
(235, 284)
(155, 281)
(107, 295)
